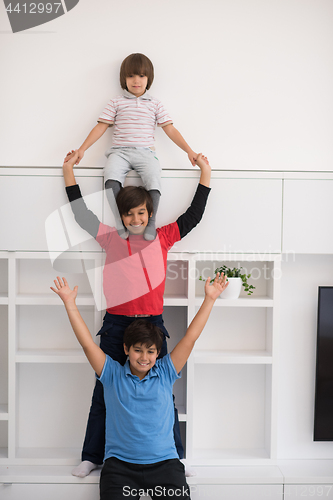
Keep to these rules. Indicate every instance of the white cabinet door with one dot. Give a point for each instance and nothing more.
(308, 216)
(237, 492)
(49, 491)
(296, 491)
(242, 215)
(35, 214)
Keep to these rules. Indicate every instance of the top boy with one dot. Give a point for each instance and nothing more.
(134, 116)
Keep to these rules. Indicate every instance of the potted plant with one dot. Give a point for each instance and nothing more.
(236, 279)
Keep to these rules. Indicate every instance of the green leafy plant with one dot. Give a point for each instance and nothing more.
(235, 272)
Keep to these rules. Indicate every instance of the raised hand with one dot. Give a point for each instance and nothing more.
(63, 290)
(202, 161)
(215, 289)
(71, 158)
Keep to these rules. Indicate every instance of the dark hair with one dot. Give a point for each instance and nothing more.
(133, 196)
(143, 332)
(136, 64)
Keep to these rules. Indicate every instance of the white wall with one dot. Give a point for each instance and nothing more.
(247, 81)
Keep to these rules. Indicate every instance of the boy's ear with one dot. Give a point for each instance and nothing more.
(126, 350)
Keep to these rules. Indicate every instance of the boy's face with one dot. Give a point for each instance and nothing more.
(141, 358)
(136, 84)
(136, 219)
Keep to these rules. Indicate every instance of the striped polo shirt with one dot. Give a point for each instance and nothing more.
(134, 119)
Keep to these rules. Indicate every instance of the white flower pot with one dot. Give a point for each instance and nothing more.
(233, 289)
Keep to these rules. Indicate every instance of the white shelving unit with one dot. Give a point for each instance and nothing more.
(46, 371)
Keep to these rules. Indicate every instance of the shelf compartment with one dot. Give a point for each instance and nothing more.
(176, 282)
(3, 439)
(36, 275)
(52, 408)
(232, 421)
(3, 359)
(34, 455)
(45, 330)
(3, 279)
(247, 331)
(46, 299)
(175, 321)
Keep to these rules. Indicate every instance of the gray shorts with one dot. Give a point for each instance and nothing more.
(120, 161)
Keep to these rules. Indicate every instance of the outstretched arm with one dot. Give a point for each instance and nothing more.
(193, 215)
(84, 217)
(67, 168)
(183, 349)
(93, 136)
(205, 168)
(179, 140)
(95, 355)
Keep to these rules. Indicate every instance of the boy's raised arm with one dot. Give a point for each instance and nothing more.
(205, 168)
(183, 349)
(95, 355)
(84, 217)
(67, 168)
(193, 215)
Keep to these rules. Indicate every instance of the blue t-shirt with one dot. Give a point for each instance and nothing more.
(139, 413)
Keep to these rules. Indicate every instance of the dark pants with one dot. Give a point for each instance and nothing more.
(111, 343)
(120, 480)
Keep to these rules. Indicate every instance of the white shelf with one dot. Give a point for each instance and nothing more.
(3, 299)
(233, 357)
(241, 302)
(176, 301)
(182, 413)
(3, 412)
(50, 356)
(44, 474)
(50, 300)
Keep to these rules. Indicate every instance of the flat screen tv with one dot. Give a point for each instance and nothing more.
(323, 418)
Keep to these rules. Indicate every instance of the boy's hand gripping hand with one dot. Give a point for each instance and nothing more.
(202, 161)
(72, 158)
(80, 154)
(65, 293)
(220, 283)
(192, 156)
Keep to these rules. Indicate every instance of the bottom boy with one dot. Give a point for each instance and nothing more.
(140, 453)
